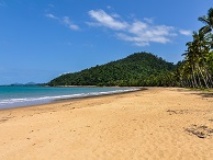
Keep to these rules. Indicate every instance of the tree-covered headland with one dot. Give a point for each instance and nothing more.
(138, 69)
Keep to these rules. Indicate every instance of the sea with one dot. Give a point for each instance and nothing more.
(19, 96)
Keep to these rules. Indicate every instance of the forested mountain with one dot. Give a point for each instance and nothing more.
(137, 69)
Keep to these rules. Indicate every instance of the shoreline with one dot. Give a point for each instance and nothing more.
(157, 123)
(71, 97)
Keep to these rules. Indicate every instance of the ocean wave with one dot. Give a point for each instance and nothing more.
(45, 99)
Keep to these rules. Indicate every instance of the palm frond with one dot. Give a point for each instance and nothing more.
(205, 29)
(204, 19)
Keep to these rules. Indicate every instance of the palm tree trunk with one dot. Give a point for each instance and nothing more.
(199, 81)
(204, 79)
(194, 79)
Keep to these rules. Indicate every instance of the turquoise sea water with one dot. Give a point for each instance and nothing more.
(15, 96)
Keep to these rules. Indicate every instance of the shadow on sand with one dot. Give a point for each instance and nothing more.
(203, 93)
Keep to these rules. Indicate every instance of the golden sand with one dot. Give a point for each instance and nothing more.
(158, 123)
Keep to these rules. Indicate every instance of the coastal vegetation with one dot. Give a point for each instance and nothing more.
(138, 69)
(146, 69)
(196, 70)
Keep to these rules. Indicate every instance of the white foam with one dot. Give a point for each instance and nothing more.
(45, 99)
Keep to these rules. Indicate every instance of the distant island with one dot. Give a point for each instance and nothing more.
(138, 69)
(27, 84)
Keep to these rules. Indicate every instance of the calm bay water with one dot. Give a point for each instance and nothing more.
(16, 96)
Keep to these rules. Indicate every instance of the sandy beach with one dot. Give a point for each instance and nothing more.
(157, 123)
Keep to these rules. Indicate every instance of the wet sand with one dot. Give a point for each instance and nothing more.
(158, 123)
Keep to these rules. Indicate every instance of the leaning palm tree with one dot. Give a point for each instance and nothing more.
(197, 69)
(190, 58)
(208, 21)
(202, 49)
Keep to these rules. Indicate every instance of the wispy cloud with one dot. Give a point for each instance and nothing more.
(107, 20)
(64, 20)
(51, 16)
(140, 33)
(185, 32)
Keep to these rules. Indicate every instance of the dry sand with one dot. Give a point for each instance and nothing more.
(158, 123)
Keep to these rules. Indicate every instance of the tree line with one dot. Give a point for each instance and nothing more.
(196, 70)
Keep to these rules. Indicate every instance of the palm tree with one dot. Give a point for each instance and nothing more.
(208, 21)
(190, 65)
(196, 61)
(201, 45)
(207, 29)
(197, 67)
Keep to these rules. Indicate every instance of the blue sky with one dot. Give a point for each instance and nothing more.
(40, 40)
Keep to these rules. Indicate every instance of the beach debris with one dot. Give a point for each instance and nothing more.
(201, 131)
(171, 112)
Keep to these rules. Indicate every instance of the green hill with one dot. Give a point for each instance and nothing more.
(138, 69)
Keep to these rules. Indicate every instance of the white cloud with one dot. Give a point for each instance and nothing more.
(144, 33)
(140, 33)
(106, 20)
(65, 21)
(49, 15)
(134, 39)
(185, 32)
(138, 27)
